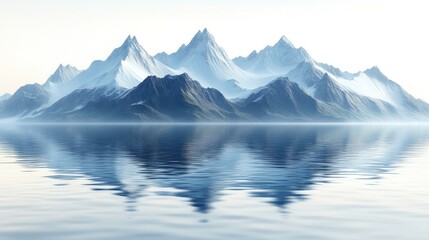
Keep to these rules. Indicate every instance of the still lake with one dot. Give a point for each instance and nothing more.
(214, 182)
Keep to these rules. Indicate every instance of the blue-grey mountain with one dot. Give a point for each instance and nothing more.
(172, 98)
(278, 83)
(24, 101)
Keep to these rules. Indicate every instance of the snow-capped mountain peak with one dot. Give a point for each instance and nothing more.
(326, 89)
(284, 42)
(203, 37)
(125, 67)
(203, 43)
(275, 60)
(204, 60)
(130, 49)
(375, 72)
(62, 74)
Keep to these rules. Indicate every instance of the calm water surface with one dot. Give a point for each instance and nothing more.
(214, 182)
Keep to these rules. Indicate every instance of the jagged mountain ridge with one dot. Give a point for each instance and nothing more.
(370, 85)
(24, 101)
(367, 95)
(76, 100)
(282, 99)
(126, 67)
(179, 98)
(123, 69)
(204, 60)
(274, 60)
(363, 96)
(172, 98)
(63, 74)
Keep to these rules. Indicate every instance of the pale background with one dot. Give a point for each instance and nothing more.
(36, 36)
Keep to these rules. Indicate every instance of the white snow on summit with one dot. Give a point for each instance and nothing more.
(125, 68)
(62, 74)
(56, 82)
(366, 86)
(204, 60)
(274, 60)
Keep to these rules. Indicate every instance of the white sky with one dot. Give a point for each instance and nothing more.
(36, 36)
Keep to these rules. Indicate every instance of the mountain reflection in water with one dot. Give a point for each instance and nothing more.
(275, 163)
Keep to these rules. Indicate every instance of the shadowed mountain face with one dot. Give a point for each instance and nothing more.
(281, 99)
(179, 98)
(172, 98)
(357, 107)
(63, 110)
(278, 164)
(114, 89)
(204, 60)
(182, 99)
(24, 101)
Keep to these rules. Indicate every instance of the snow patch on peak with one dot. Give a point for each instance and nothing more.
(204, 35)
(284, 41)
(206, 62)
(201, 40)
(125, 67)
(375, 72)
(274, 60)
(337, 72)
(130, 40)
(62, 74)
(367, 86)
(129, 49)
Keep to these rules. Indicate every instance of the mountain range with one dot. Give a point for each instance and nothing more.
(199, 82)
